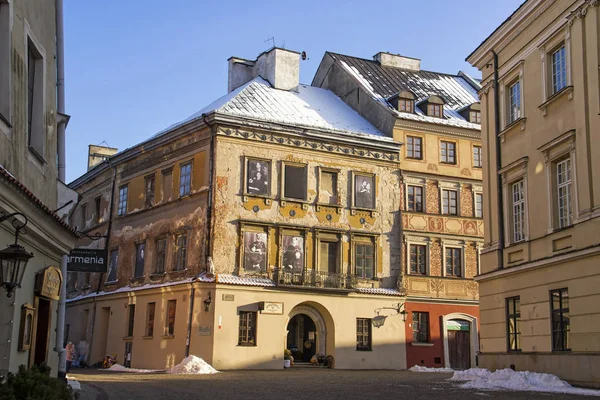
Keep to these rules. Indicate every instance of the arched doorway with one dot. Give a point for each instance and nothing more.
(461, 342)
(306, 333)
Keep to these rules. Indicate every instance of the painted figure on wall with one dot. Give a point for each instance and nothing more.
(293, 254)
(363, 191)
(258, 177)
(255, 251)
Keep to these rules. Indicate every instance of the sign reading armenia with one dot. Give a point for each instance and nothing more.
(87, 260)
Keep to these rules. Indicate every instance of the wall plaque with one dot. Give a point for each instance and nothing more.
(48, 282)
(228, 297)
(272, 308)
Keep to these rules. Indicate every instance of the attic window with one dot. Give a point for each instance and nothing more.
(475, 117)
(433, 106)
(406, 102)
(435, 110)
(472, 113)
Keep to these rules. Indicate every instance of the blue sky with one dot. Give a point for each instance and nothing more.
(134, 67)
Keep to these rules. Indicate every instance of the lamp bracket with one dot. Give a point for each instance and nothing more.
(20, 227)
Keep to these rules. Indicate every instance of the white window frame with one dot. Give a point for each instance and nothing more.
(516, 73)
(547, 49)
(510, 174)
(454, 244)
(37, 123)
(566, 188)
(442, 185)
(558, 70)
(514, 112)
(418, 241)
(477, 146)
(518, 206)
(6, 68)
(477, 192)
(419, 182)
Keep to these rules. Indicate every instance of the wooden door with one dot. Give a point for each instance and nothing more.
(459, 349)
(42, 328)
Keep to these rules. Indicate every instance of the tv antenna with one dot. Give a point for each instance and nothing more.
(272, 40)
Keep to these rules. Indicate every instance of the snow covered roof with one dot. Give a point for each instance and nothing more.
(306, 106)
(384, 82)
(380, 291)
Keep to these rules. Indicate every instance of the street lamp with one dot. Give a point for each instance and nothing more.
(14, 258)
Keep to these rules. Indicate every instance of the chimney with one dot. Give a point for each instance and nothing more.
(280, 67)
(97, 154)
(397, 61)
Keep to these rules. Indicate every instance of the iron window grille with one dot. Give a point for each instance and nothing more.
(150, 319)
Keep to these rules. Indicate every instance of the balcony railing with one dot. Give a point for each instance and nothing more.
(316, 279)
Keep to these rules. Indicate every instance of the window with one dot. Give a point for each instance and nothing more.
(406, 105)
(477, 156)
(247, 329)
(435, 110)
(448, 152)
(364, 191)
(414, 147)
(161, 255)
(514, 102)
(98, 203)
(131, 319)
(185, 179)
(518, 211)
(112, 266)
(167, 186)
(140, 253)
(415, 198)
(122, 200)
(149, 191)
(150, 319)
(363, 334)
(36, 131)
(328, 193)
(478, 205)
(513, 320)
(364, 260)
(453, 262)
(170, 320)
(475, 117)
(418, 259)
(561, 322)
(181, 252)
(563, 188)
(83, 216)
(328, 256)
(71, 281)
(294, 182)
(5, 68)
(559, 69)
(258, 177)
(420, 327)
(449, 202)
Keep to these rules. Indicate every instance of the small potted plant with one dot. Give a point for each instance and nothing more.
(287, 358)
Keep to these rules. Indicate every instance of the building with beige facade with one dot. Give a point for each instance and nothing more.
(268, 220)
(437, 118)
(31, 191)
(539, 296)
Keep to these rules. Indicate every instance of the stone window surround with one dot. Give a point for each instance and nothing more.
(560, 38)
(505, 81)
(454, 244)
(335, 171)
(422, 241)
(456, 186)
(558, 149)
(510, 174)
(415, 181)
(282, 177)
(477, 189)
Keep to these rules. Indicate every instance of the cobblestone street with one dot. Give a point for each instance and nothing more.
(286, 384)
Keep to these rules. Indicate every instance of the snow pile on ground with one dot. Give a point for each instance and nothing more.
(74, 384)
(120, 368)
(507, 379)
(192, 365)
(418, 368)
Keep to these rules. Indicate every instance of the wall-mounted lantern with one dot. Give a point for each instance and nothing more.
(379, 320)
(207, 303)
(14, 258)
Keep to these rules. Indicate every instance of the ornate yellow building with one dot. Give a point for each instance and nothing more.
(539, 296)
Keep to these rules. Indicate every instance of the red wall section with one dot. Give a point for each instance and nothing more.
(425, 355)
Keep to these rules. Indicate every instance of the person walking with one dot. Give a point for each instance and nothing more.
(70, 349)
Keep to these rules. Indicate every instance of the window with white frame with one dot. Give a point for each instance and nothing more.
(478, 205)
(559, 69)
(4, 61)
(514, 101)
(477, 162)
(518, 211)
(122, 210)
(449, 202)
(563, 192)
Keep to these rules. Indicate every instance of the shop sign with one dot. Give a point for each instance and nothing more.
(268, 307)
(48, 283)
(87, 260)
(454, 325)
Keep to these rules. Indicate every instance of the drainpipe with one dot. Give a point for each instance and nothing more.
(500, 198)
(62, 120)
(190, 319)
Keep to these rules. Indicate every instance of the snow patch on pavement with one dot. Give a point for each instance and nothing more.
(120, 368)
(192, 365)
(507, 379)
(419, 368)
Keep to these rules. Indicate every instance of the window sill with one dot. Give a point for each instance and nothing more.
(519, 121)
(338, 207)
(168, 336)
(566, 90)
(414, 158)
(303, 202)
(127, 337)
(364, 349)
(267, 199)
(372, 211)
(421, 344)
(158, 275)
(147, 337)
(448, 163)
(246, 345)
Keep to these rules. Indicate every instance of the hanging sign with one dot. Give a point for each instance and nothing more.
(87, 260)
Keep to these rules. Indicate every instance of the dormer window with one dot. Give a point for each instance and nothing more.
(472, 113)
(433, 106)
(404, 101)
